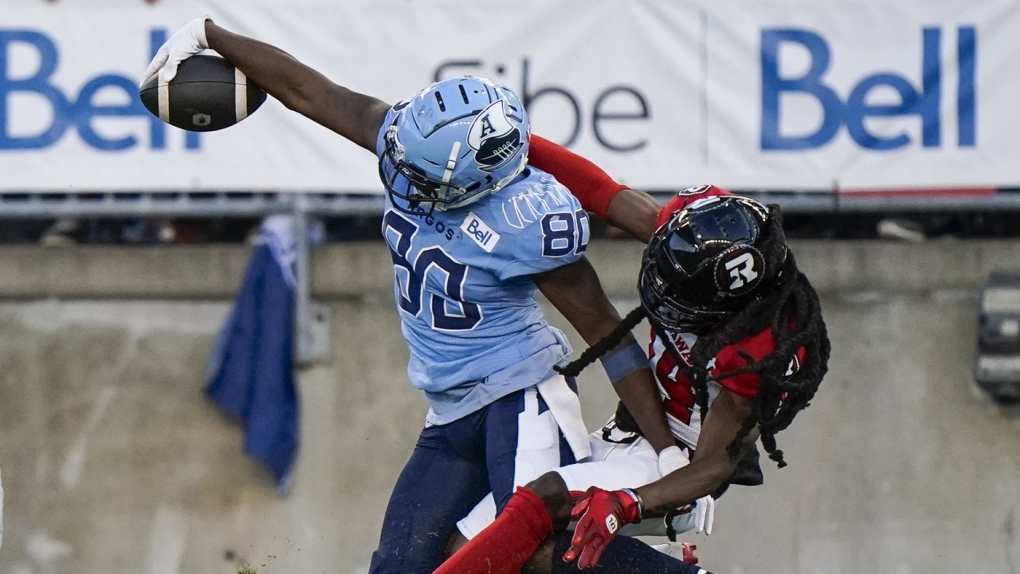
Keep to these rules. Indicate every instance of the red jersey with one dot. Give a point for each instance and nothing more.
(675, 386)
(595, 190)
(677, 390)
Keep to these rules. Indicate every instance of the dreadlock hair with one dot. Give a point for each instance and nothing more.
(791, 310)
(603, 345)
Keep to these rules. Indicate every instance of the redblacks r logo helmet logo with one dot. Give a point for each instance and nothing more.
(739, 270)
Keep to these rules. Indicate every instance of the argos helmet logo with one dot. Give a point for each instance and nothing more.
(492, 136)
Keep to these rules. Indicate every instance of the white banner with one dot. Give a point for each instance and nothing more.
(746, 94)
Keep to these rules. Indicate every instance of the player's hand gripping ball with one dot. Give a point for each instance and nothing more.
(207, 94)
(200, 93)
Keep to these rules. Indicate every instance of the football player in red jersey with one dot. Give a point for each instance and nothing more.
(738, 347)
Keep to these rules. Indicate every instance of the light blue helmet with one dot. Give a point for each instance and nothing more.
(455, 142)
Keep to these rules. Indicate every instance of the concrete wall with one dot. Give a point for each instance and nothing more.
(355, 269)
(114, 462)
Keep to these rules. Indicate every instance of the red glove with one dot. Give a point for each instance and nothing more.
(600, 516)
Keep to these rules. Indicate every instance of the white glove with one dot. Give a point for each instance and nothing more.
(673, 458)
(704, 514)
(698, 517)
(185, 43)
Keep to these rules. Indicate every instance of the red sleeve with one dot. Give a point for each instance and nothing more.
(589, 184)
(729, 359)
(686, 197)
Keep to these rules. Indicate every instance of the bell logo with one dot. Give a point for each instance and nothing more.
(74, 109)
(922, 101)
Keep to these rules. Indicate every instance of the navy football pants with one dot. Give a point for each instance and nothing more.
(452, 467)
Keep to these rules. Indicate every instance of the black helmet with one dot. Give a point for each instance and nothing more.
(704, 264)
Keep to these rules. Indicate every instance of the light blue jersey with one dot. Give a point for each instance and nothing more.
(464, 292)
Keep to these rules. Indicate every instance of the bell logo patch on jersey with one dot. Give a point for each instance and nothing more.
(479, 232)
(494, 139)
(740, 270)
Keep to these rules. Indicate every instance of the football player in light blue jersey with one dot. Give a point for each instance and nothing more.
(466, 302)
(473, 232)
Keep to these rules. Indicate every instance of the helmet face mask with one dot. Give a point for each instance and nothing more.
(704, 265)
(406, 181)
(673, 313)
(455, 142)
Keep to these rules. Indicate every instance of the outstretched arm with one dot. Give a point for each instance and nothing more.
(576, 292)
(634, 212)
(355, 116)
(631, 210)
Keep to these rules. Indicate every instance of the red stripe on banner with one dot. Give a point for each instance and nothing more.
(924, 191)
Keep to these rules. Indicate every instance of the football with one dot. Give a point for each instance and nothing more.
(207, 94)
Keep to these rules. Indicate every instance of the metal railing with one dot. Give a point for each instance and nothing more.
(255, 204)
(183, 204)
